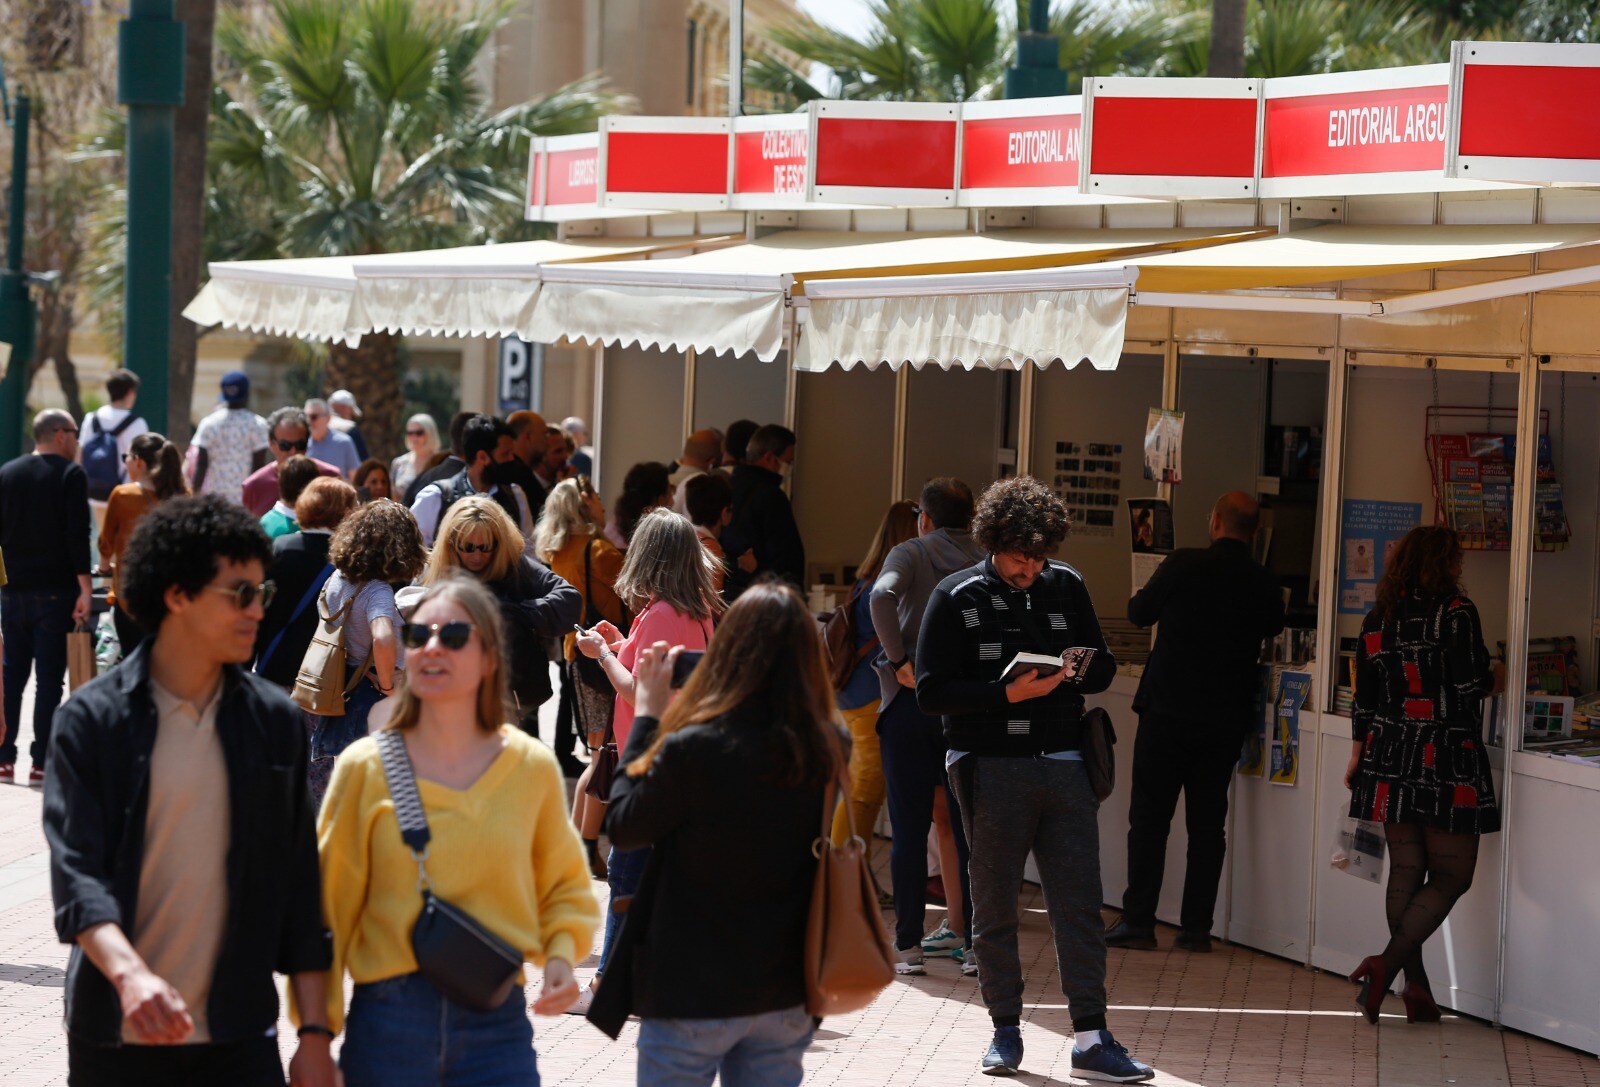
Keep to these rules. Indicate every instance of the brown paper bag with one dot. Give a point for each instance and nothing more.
(81, 666)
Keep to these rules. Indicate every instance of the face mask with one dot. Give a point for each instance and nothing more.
(500, 474)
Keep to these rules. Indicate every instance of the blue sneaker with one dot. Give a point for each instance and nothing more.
(1109, 1060)
(1005, 1052)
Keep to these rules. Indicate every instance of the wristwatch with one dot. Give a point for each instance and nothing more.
(604, 653)
(899, 664)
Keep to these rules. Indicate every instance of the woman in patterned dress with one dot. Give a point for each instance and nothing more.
(1418, 764)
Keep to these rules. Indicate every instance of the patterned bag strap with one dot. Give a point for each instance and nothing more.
(407, 803)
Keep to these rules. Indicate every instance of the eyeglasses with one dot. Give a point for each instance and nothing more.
(292, 447)
(453, 636)
(478, 549)
(245, 594)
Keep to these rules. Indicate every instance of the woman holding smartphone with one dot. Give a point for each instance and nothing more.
(669, 582)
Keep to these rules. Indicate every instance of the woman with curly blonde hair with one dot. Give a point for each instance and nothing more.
(375, 548)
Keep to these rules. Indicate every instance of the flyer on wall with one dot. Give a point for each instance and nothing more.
(1151, 537)
(1294, 689)
(1369, 533)
(1163, 446)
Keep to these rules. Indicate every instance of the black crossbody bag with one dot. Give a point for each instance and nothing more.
(466, 962)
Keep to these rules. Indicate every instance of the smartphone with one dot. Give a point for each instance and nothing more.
(685, 663)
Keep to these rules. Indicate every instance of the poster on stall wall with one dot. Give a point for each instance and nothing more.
(1294, 690)
(1163, 446)
(1088, 478)
(1368, 535)
(1151, 536)
(1253, 756)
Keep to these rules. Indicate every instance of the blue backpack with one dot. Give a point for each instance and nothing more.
(102, 461)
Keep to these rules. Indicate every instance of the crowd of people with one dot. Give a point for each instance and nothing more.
(319, 754)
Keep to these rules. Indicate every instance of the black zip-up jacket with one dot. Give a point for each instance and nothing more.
(537, 604)
(1215, 607)
(763, 519)
(687, 911)
(974, 625)
(96, 795)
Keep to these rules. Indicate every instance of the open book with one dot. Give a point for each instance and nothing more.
(1075, 662)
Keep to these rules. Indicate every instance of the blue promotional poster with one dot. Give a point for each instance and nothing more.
(1294, 690)
(1368, 534)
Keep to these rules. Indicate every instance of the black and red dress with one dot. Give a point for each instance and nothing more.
(1421, 677)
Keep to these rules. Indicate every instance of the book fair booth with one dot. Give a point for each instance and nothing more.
(1371, 299)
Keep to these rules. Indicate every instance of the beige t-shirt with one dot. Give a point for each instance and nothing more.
(183, 881)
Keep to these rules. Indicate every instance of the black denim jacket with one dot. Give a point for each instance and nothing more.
(96, 794)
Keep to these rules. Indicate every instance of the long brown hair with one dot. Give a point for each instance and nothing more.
(1422, 565)
(484, 610)
(164, 463)
(767, 657)
(897, 526)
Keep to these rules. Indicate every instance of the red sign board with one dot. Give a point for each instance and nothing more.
(572, 175)
(1356, 132)
(769, 161)
(1181, 138)
(664, 162)
(1526, 112)
(1022, 152)
(901, 153)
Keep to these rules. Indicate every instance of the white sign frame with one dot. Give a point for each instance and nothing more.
(608, 197)
(1033, 196)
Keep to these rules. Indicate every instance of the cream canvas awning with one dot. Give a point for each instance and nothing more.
(316, 298)
(733, 299)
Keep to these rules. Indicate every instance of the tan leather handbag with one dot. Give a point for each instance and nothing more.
(849, 959)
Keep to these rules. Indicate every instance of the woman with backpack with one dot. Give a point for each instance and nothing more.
(155, 474)
(858, 691)
(375, 548)
(569, 540)
(479, 539)
(668, 580)
(499, 855)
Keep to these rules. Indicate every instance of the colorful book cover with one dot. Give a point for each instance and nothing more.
(1449, 445)
(1549, 512)
(1487, 446)
(1497, 513)
(1464, 508)
(1462, 470)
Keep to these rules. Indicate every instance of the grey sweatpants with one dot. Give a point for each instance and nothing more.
(1011, 807)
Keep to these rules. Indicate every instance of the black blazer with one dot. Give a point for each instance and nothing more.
(709, 806)
(96, 794)
(537, 605)
(298, 560)
(764, 520)
(1215, 607)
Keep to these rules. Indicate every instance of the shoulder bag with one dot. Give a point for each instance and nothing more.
(322, 684)
(466, 962)
(839, 639)
(849, 959)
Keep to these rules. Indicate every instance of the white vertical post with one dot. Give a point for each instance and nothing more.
(1026, 399)
(735, 58)
(897, 464)
(690, 378)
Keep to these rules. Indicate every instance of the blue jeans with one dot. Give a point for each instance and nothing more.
(403, 1033)
(331, 735)
(913, 749)
(35, 624)
(749, 1051)
(624, 870)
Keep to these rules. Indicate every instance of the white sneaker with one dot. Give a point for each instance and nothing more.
(581, 1005)
(969, 966)
(941, 940)
(909, 961)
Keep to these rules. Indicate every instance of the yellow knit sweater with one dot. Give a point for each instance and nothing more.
(504, 850)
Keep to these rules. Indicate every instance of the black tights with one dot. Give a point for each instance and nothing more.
(1416, 908)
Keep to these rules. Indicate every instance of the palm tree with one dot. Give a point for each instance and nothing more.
(356, 128)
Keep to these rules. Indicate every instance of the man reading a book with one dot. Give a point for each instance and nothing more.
(1215, 607)
(1016, 763)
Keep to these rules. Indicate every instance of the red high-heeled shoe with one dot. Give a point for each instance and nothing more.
(1420, 1005)
(1374, 981)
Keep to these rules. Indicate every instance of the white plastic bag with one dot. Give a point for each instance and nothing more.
(1361, 849)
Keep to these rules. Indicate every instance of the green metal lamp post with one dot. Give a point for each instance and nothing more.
(1038, 73)
(16, 306)
(150, 83)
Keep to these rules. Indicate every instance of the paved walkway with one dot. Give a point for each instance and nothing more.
(1235, 1018)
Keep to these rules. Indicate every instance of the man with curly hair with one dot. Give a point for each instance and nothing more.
(183, 851)
(1016, 763)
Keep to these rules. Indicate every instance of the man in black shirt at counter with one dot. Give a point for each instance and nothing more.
(1215, 607)
(44, 534)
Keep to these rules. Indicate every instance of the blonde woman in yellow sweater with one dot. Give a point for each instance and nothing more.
(501, 849)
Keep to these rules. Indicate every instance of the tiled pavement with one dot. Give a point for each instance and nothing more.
(1235, 1018)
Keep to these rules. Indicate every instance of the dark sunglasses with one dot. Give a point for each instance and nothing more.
(245, 594)
(416, 433)
(291, 447)
(477, 549)
(452, 636)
